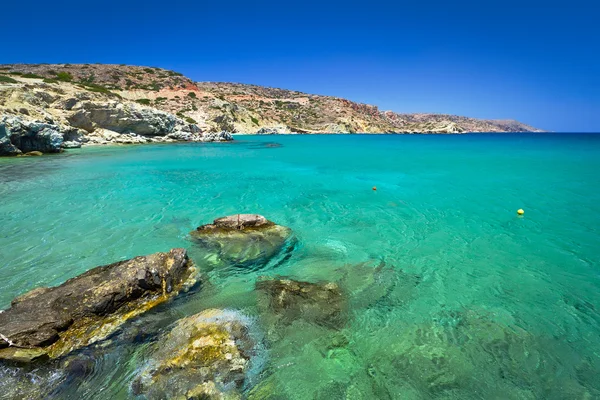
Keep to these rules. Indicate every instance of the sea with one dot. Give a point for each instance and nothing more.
(450, 293)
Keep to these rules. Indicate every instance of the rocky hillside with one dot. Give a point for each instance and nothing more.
(97, 103)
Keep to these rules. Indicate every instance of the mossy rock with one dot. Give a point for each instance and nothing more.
(246, 241)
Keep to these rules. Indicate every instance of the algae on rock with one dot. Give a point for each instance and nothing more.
(209, 355)
(85, 309)
(243, 240)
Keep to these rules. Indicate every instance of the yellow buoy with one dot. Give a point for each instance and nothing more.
(520, 211)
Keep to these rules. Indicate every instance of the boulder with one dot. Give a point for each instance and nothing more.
(85, 309)
(20, 136)
(273, 130)
(71, 145)
(205, 356)
(222, 136)
(243, 240)
(287, 301)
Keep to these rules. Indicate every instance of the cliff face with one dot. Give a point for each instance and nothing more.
(71, 95)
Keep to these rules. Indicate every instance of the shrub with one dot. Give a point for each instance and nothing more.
(192, 95)
(32, 76)
(7, 79)
(64, 76)
(149, 70)
(90, 78)
(98, 89)
(50, 80)
(190, 120)
(145, 102)
(254, 120)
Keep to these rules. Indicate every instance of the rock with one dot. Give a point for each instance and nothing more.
(28, 136)
(222, 136)
(192, 134)
(244, 240)
(89, 307)
(69, 103)
(238, 222)
(6, 147)
(209, 355)
(288, 300)
(71, 145)
(72, 134)
(274, 130)
(122, 118)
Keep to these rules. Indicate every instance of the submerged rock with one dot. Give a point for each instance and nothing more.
(54, 321)
(288, 300)
(34, 154)
(243, 239)
(209, 355)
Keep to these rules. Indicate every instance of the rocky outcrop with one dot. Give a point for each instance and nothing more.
(205, 356)
(122, 118)
(243, 240)
(125, 123)
(54, 321)
(273, 130)
(288, 300)
(20, 136)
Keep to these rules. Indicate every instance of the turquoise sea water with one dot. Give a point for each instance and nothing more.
(451, 294)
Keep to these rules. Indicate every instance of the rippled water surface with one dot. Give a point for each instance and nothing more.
(451, 295)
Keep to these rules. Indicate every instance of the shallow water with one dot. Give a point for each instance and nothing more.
(451, 295)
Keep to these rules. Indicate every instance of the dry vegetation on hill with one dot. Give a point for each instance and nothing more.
(214, 106)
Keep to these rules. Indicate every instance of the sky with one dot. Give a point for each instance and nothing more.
(536, 62)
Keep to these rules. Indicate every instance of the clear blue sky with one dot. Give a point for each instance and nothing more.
(538, 62)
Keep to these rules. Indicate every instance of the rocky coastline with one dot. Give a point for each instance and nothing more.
(50, 107)
(98, 124)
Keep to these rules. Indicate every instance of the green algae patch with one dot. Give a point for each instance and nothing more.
(207, 355)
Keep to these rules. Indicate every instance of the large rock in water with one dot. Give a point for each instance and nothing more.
(54, 321)
(205, 356)
(19, 136)
(244, 240)
(287, 301)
